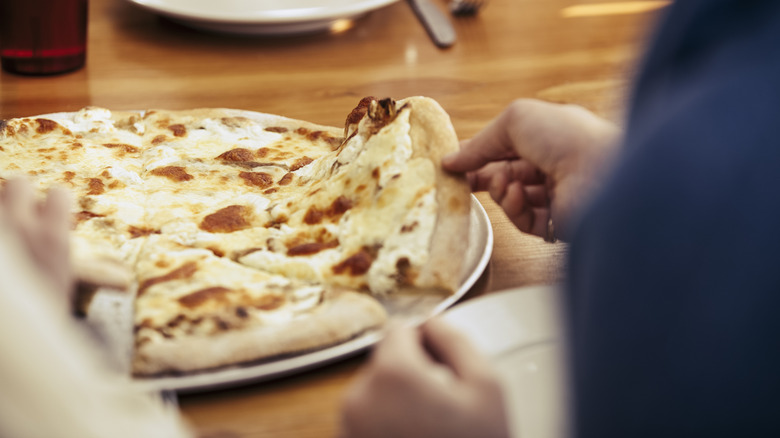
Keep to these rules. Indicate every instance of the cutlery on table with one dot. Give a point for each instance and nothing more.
(436, 23)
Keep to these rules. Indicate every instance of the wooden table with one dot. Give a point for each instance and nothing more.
(560, 50)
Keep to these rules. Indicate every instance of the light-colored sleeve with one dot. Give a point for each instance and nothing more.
(54, 380)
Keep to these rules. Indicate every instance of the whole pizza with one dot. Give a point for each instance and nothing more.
(246, 236)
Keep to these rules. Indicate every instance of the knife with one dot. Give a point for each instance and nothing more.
(436, 23)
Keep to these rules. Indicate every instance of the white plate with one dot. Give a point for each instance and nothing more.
(262, 17)
(520, 331)
(111, 314)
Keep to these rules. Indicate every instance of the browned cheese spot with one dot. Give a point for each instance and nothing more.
(96, 186)
(356, 264)
(404, 275)
(122, 149)
(159, 139)
(262, 152)
(381, 113)
(45, 125)
(408, 228)
(141, 231)
(286, 179)
(186, 270)
(85, 215)
(357, 113)
(174, 173)
(198, 298)
(178, 320)
(268, 302)
(237, 155)
(228, 219)
(234, 122)
(257, 179)
(338, 207)
(216, 251)
(277, 129)
(311, 248)
(68, 176)
(313, 136)
(178, 130)
(116, 184)
(313, 215)
(300, 162)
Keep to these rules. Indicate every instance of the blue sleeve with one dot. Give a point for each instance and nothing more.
(674, 282)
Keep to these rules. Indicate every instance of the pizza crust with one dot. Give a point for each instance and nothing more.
(433, 137)
(343, 315)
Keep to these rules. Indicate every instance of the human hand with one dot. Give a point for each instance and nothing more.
(42, 227)
(427, 383)
(538, 160)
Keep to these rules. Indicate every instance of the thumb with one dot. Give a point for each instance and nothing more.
(453, 349)
(493, 143)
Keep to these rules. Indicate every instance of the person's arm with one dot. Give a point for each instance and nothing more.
(425, 383)
(538, 158)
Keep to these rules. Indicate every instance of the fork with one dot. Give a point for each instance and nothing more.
(463, 8)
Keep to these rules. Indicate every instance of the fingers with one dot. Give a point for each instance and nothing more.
(43, 228)
(527, 206)
(18, 203)
(401, 344)
(517, 169)
(53, 230)
(449, 347)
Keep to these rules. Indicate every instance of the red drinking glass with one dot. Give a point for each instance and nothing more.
(42, 37)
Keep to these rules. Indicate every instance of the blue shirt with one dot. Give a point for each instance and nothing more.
(674, 284)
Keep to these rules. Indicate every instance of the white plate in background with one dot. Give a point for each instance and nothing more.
(520, 331)
(262, 17)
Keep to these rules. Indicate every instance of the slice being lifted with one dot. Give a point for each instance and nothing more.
(253, 235)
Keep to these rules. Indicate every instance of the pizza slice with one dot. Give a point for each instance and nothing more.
(377, 214)
(195, 311)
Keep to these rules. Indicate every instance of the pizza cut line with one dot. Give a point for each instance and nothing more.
(247, 235)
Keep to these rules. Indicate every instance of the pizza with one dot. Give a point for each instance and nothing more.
(247, 236)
